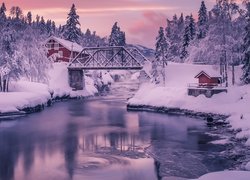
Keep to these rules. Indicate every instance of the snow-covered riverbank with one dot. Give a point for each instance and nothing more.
(24, 94)
(234, 104)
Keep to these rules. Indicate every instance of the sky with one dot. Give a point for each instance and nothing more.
(139, 19)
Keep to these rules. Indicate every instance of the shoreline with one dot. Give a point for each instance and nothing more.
(217, 118)
(36, 108)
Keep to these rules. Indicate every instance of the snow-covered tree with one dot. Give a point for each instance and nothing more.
(16, 12)
(161, 48)
(154, 72)
(202, 21)
(246, 53)
(34, 56)
(174, 33)
(161, 53)
(71, 31)
(90, 39)
(12, 66)
(186, 42)
(42, 26)
(3, 11)
(117, 37)
(192, 28)
(29, 18)
(87, 39)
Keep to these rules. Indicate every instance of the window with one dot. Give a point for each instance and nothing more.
(49, 46)
(56, 46)
(60, 53)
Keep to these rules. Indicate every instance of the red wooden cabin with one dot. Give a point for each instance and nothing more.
(62, 50)
(208, 79)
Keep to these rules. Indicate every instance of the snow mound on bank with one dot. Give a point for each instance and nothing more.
(30, 94)
(24, 94)
(58, 82)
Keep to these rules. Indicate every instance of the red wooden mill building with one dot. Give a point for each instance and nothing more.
(61, 50)
(209, 83)
(208, 79)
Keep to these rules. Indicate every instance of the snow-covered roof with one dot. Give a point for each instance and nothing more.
(72, 46)
(209, 73)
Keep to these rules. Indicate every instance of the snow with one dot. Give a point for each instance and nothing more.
(23, 94)
(228, 175)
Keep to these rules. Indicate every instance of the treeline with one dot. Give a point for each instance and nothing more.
(219, 36)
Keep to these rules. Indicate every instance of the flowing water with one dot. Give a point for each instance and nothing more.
(98, 139)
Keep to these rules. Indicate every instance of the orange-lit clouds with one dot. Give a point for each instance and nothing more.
(140, 19)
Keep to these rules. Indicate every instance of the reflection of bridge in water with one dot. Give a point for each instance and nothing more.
(103, 58)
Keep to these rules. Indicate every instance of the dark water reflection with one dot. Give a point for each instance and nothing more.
(99, 139)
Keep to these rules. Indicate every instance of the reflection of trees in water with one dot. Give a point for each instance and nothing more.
(28, 153)
(70, 143)
(9, 153)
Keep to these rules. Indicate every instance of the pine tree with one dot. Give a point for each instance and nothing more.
(154, 72)
(53, 27)
(192, 29)
(161, 48)
(202, 21)
(181, 22)
(174, 33)
(71, 31)
(122, 39)
(42, 26)
(3, 11)
(246, 54)
(186, 41)
(16, 12)
(37, 20)
(113, 38)
(117, 37)
(49, 27)
(29, 18)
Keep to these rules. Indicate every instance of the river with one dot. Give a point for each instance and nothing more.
(97, 138)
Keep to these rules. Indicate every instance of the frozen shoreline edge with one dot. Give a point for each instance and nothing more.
(220, 118)
(38, 107)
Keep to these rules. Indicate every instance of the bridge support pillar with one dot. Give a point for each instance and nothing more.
(76, 79)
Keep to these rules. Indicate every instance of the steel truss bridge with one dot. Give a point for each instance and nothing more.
(114, 57)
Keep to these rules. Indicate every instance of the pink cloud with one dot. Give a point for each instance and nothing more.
(147, 27)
